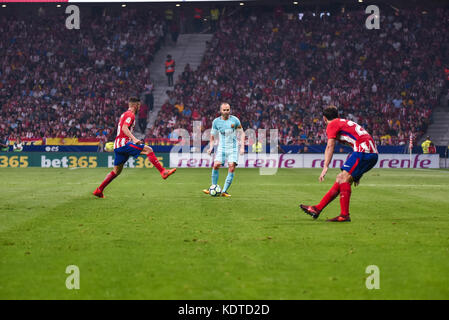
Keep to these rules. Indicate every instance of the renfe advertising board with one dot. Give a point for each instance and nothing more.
(203, 160)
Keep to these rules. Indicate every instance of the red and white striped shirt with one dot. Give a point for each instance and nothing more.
(350, 133)
(126, 118)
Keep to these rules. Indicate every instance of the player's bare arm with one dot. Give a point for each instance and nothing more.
(328, 154)
(211, 144)
(128, 133)
(242, 139)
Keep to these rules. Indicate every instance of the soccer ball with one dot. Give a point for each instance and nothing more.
(214, 190)
(109, 147)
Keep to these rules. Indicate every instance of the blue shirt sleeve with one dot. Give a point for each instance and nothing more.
(237, 122)
(214, 129)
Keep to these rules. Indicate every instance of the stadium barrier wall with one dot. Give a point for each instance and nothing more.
(441, 150)
(203, 160)
(444, 163)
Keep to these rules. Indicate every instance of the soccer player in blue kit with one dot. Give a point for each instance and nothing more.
(227, 126)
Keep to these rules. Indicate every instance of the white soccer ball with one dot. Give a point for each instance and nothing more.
(214, 190)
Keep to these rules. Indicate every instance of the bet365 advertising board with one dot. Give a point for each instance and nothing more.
(71, 160)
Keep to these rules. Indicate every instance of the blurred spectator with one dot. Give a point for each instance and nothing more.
(214, 16)
(174, 31)
(432, 148)
(143, 115)
(256, 147)
(198, 19)
(148, 95)
(426, 144)
(168, 16)
(18, 145)
(4, 144)
(169, 69)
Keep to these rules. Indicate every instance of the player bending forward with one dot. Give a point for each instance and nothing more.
(227, 126)
(360, 161)
(126, 145)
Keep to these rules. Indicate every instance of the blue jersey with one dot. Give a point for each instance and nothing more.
(227, 130)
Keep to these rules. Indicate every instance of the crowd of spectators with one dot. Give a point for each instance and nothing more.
(56, 82)
(278, 71)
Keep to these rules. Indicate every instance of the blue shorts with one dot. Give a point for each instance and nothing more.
(358, 163)
(232, 155)
(130, 149)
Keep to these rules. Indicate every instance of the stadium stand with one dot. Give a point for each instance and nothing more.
(277, 70)
(55, 83)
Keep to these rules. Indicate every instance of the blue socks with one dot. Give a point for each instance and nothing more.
(228, 181)
(214, 176)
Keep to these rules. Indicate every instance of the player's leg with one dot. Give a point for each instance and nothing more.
(315, 210)
(148, 151)
(214, 175)
(233, 158)
(215, 172)
(344, 179)
(333, 192)
(368, 162)
(229, 179)
(356, 165)
(352, 169)
(219, 160)
(119, 162)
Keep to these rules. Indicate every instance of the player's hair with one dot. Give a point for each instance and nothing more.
(330, 113)
(134, 100)
(225, 103)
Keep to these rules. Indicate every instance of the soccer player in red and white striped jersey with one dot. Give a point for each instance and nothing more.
(126, 144)
(363, 159)
(127, 118)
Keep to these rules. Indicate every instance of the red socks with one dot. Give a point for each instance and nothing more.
(111, 176)
(152, 157)
(345, 195)
(344, 189)
(330, 195)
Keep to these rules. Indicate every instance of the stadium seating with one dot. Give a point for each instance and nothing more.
(279, 73)
(60, 83)
(275, 71)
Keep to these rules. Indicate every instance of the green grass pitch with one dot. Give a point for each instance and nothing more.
(156, 239)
